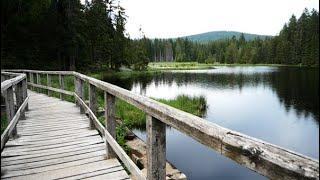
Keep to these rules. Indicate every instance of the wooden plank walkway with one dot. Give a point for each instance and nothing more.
(55, 142)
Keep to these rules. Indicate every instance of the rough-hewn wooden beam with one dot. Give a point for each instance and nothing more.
(61, 84)
(156, 149)
(110, 121)
(250, 152)
(49, 84)
(92, 101)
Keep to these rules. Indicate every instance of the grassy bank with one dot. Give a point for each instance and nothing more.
(153, 66)
(178, 66)
(135, 118)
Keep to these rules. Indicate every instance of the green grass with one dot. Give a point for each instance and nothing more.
(193, 105)
(178, 66)
(153, 66)
(133, 117)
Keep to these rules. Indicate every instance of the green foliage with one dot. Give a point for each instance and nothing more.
(297, 43)
(193, 105)
(130, 115)
(218, 35)
(62, 35)
(134, 117)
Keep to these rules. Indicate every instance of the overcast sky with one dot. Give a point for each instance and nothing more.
(174, 18)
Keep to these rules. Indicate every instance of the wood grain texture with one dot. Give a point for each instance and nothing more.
(156, 149)
(262, 157)
(61, 85)
(92, 102)
(247, 151)
(53, 148)
(49, 84)
(110, 121)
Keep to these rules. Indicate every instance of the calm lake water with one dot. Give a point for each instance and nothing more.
(278, 105)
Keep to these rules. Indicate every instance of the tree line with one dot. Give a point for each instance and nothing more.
(297, 43)
(66, 35)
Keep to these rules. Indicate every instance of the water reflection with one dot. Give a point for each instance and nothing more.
(279, 105)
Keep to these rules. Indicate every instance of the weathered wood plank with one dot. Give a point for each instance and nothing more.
(30, 141)
(48, 155)
(10, 111)
(61, 84)
(51, 88)
(95, 120)
(49, 84)
(92, 102)
(110, 121)
(114, 145)
(11, 82)
(53, 153)
(112, 173)
(240, 148)
(50, 162)
(37, 171)
(156, 149)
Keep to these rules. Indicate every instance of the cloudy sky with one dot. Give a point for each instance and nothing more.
(174, 18)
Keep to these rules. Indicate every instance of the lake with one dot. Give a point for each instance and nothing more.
(276, 104)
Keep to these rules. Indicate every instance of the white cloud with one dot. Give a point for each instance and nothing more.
(173, 18)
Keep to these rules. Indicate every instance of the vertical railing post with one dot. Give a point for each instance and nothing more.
(31, 80)
(110, 122)
(79, 91)
(76, 88)
(25, 91)
(156, 149)
(10, 111)
(19, 98)
(49, 84)
(61, 83)
(92, 102)
(81, 94)
(38, 81)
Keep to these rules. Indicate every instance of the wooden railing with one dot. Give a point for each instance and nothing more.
(264, 158)
(14, 92)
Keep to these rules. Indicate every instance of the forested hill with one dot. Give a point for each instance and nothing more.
(296, 44)
(216, 35)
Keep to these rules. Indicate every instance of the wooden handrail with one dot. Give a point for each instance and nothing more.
(267, 159)
(15, 110)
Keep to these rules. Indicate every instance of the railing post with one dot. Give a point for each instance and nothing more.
(156, 149)
(19, 97)
(79, 91)
(25, 92)
(76, 84)
(10, 111)
(92, 102)
(31, 80)
(49, 83)
(38, 81)
(61, 83)
(110, 122)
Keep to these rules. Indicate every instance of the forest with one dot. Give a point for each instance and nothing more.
(296, 44)
(68, 35)
(65, 35)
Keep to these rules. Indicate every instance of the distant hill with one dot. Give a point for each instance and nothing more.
(216, 35)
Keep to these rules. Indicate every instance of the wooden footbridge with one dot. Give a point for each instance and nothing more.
(49, 138)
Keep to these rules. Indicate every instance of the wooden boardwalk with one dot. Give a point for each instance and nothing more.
(55, 142)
